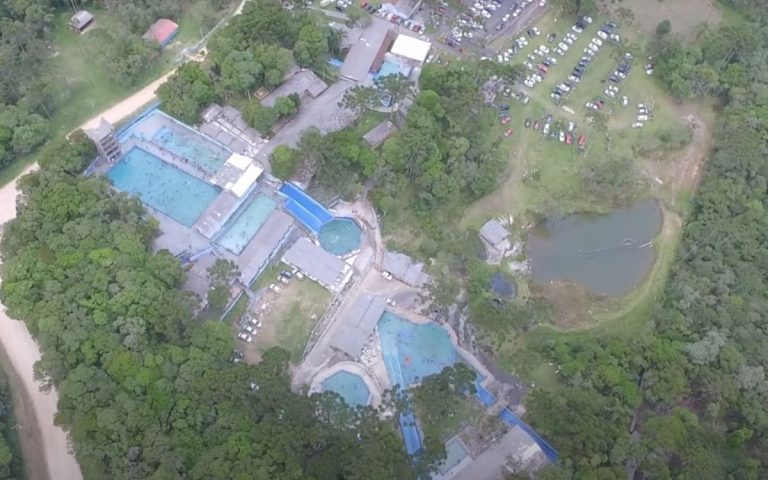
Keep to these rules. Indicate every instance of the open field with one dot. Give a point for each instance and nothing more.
(644, 15)
(288, 318)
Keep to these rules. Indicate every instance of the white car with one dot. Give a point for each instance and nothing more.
(597, 42)
(602, 34)
(576, 29)
(624, 101)
(593, 46)
(568, 40)
(587, 19)
(544, 49)
(589, 52)
(642, 118)
(505, 17)
(542, 3)
(571, 126)
(245, 337)
(274, 288)
(637, 125)
(559, 52)
(552, 60)
(528, 83)
(561, 136)
(563, 46)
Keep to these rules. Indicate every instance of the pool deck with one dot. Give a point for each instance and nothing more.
(316, 386)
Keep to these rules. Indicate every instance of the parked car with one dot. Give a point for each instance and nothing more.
(508, 132)
(637, 125)
(527, 122)
(244, 337)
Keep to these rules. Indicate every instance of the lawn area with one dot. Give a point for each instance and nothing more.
(288, 318)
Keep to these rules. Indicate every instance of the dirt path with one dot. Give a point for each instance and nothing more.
(680, 174)
(130, 105)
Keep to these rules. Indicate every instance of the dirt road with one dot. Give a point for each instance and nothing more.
(129, 105)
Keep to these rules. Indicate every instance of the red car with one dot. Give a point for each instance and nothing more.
(568, 138)
(506, 119)
(582, 140)
(536, 125)
(509, 132)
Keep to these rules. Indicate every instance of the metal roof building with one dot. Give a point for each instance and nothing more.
(358, 324)
(316, 263)
(493, 232)
(403, 268)
(162, 32)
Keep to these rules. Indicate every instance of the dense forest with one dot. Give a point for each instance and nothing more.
(146, 390)
(11, 464)
(28, 92)
(687, 397)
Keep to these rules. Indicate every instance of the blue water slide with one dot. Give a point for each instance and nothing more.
(483, 395)
(513, 420)
(305, 217)
(306, 202)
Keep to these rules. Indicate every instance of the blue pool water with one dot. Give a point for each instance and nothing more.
(192, 147)
(162, 186)
(340, 236)
(413, 351)
(351, 387)
(238, 233)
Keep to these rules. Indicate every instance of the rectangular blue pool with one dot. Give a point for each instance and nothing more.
(192, 146)
(238, 233)
(162, 186)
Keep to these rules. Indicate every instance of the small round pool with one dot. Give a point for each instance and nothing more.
(351, 387)
(340, 236)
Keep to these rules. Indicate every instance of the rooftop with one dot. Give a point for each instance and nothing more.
(81, 19)
(411, 48)
(315, 262)
(494, 232)
(363, 53)
(376, 136)
(161, 31)
(403, 268)
(358, 324)
(268, 239)
(302, 82)
(102, 131)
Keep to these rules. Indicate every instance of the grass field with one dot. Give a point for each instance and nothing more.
(289, 318)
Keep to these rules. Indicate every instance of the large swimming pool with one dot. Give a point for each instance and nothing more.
(162, 186)
(239, 231)
(192, 147)
(351, 387)
(340, 236)
(413, 351)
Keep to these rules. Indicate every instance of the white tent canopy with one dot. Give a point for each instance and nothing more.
(411, 48)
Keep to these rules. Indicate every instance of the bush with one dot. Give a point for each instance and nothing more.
(284, 162)
(663, 28)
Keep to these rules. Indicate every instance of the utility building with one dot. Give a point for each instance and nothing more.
(106, 143)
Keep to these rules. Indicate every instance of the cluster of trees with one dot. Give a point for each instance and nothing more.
(29, 89)
(11, 465)
(263, 118)
(685, 395)
(438, 400)
(495, 318)
(124, 56)
(145, 389)
(720, 60)
(256, 49)
(447, 149)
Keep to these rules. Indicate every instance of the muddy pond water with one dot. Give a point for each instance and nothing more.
(607, 254)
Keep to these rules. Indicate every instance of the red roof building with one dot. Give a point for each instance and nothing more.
(162, 32)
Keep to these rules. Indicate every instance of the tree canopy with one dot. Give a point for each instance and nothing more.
(145, 389)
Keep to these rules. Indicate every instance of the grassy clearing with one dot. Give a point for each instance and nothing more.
(642, 16)
(289, 318)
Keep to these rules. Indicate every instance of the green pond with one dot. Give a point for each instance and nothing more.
(607, 254)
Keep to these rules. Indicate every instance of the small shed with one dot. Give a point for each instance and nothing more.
(80, 21)
(161, 32)
(378, 134)
(494, 233)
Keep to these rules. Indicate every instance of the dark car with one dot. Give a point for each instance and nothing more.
(551, 37)
(527, 122)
